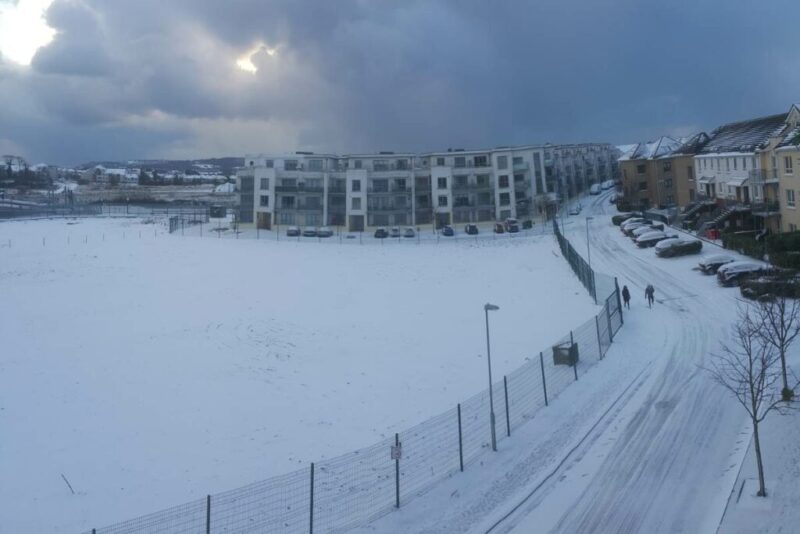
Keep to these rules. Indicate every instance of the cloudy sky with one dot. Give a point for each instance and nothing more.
(117, 79)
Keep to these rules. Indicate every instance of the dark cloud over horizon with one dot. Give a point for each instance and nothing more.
(125, 79)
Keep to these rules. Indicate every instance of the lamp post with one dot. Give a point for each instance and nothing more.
(486, 309)
(588, 248)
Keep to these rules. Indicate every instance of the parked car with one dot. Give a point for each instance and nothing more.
(608, 184)
(498, 228)
(293, 231)
(448, 231)
(678, 246)
(767, 287)
(710, 264)
(575, 210)
(733, 273)
(381, 233)
(641, 230)
(309, 231)
(594, 189)
(394, 232)
(409, 232)
(325, 231)
(620, 218)
(650, 239)
(471, 229)
(632, 220)
(629, 228)
(511, 226)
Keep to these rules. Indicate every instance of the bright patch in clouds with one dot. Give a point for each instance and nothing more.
(23, 29)
(245, 62)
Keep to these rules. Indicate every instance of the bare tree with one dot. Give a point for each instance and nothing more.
(780, 318)
(748, 368)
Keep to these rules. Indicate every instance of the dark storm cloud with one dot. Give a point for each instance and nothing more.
(358, 75)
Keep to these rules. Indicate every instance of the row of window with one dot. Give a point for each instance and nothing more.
(288, 202)
(732, 163)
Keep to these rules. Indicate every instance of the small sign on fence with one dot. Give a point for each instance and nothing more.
(397, 452)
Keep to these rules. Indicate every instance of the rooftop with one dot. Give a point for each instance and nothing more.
(745, 136)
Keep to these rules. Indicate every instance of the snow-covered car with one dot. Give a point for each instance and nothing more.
(471, 229)
(448, 231)
(733, 273)
(629, 228)
(309, 231)
(620, 218)
(595, 189)
(381, 233)
(409, 232)
(325, 231)
(710, 264)
(632, 220)
(646, 229)
(608, 184)
(293, 231)
(394, 232)
(575, 210)
(678, 246)
(650, 239)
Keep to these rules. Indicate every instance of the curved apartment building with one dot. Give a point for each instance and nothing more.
(401, 189)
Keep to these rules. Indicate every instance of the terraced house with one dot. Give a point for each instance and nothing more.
(401, 189)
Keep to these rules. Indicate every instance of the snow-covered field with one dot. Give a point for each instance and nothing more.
(150, 369)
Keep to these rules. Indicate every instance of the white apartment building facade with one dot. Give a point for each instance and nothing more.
(360, 191)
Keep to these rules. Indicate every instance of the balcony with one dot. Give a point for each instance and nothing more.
(763, 176)
(765, 209)
(298, 188)
(394, 190)
(523, 166)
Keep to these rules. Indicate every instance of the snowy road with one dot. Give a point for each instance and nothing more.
(670, 467)
(644, 442)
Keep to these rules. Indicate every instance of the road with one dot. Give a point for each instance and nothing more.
(670, 466)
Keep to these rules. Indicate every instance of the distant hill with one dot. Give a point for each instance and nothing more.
(226, 165)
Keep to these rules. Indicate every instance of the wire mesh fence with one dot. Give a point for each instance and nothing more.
(358, 487)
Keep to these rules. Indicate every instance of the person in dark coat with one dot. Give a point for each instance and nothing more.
(626, 297)
(650, 293)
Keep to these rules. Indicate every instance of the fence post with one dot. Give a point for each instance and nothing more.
(575, 363)
(619, 303)
(544, 382)
(311, 506)
(508, 419)
(397, 472)
(208, 514)
(460, 441)
(608, 317)
(599, 343)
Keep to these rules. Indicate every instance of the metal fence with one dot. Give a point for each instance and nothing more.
(186, 219)
(358, 487)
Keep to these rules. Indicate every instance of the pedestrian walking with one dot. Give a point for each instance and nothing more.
(626, 297)
(650, 293)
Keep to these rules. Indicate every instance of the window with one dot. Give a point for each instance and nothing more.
(641, 169)
(380, 186)
(753, 161)
(460, 181)
(774, 162)
(790, 198)
(264, 201)
(480, 161)
(461, 200)
(744, 164)
(270, 163)
(642, 186)
(787, 163)
(252, 163)
(380, 165)
(400, 184)
(286, 218)
(503, 180)
(313, 183)
(288, 182)
(287, 202)
(517, 160)
(690, 172)
(667, 166)
(355, 186)
(358, 164)
(502, 162)
(505, 199)
(482, 180)
(519, 178)
(727, 164)
(290, 165)
(315, 165)
(441, 183)
(401, 164)
(442, 201)
(670, 199)
(668, 183)
(734, 164)
(355, 203)
(461, 161)
(265, 183)
(440, 162)
(792, 227)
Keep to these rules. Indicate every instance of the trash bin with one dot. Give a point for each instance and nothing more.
(565, 354)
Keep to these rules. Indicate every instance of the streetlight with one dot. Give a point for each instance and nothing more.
(486, 309)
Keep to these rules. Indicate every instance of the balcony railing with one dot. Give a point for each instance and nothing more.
(389, 191)
(765, 208)
(298, 188)
(762, 176)
(471, 186)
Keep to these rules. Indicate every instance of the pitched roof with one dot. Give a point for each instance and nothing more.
(653, 149)
(745, 136)
(692, 145)
(792, 137)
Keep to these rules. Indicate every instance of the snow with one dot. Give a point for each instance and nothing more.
(644, 442)
(151, 369)
(225, 188)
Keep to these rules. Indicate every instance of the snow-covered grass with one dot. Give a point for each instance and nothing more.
(151, 369)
